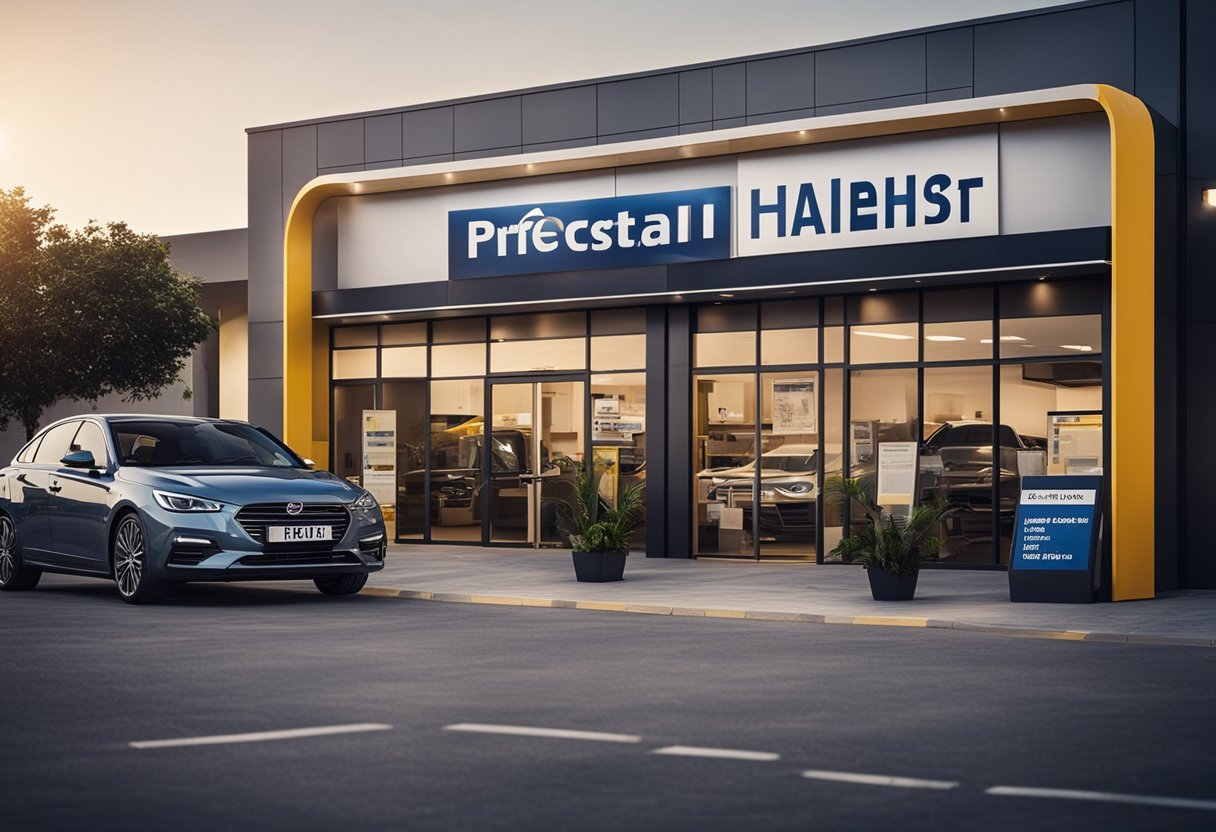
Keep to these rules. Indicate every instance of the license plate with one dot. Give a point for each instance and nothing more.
(298, 534)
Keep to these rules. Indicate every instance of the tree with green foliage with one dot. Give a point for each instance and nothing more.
(88, 313)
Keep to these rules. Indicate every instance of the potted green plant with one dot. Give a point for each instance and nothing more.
(891, 548)
(599, 532)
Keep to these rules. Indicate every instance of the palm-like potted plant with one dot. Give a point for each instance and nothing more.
(598, 532)
(891, 548)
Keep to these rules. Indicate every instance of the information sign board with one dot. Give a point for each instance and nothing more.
(1055, 539)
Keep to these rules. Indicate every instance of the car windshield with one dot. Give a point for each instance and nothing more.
(173, 444)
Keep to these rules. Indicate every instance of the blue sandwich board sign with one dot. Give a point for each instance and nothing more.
(1055, 539)
(584, 234)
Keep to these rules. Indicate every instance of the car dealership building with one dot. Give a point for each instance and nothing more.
(736, 281)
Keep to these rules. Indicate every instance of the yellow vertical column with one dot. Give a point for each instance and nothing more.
(1132, 346)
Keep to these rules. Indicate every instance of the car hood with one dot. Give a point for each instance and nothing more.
(246, 485)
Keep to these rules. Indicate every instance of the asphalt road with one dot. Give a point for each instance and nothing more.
(430, 689)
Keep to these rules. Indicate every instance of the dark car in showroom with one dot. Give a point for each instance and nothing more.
(151, 501)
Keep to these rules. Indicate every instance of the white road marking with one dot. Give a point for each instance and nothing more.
(716, 753)
(553, 733)
(1104, 797)
(879, 780)
(264, 736)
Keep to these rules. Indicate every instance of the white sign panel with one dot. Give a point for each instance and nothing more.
(896, 473)
(869, 193)
(380, 455)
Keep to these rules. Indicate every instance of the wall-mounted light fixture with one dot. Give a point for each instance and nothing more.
(1209, 197)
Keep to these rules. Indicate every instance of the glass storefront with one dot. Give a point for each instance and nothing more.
(562, 391)
(918, 367)
(474, 430)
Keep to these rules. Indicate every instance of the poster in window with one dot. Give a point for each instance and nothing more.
(380, 455)
(794, 407)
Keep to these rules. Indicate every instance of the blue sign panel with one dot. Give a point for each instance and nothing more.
(611, 233)
(1056, 523)
(1055, 541)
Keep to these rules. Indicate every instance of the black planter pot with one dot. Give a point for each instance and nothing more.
(598, 567)
(887, 587)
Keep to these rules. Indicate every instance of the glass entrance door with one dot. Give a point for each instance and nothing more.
(536, 448)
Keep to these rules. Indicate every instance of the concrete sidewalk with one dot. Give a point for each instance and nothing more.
(952, 599)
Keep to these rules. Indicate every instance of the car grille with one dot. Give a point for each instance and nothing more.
(255, 518)
(296, 557)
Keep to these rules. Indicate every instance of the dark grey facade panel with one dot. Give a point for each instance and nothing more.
(385, 165)
(639, 104)
(382, 138)
(1167, 197)
(427, 132)
(656, 133)
(267, 360)
(266, 294)
(788, 115)
(266, 403)
(486, 124)
(340, 143)
(1158, 45)
(1168, 451)
(559, 115)
(697, 127)
(949, 58)
(885, 69)
(873, 104)
(1200, 84)
(727, 123)
(1094, 44)
(1200, 287)
(680, 497)
(1199, 566)
(583, 142)
(1166, 150)
(299, 164)
(485, 154)
(696, 96)
(341, 169)
(430, 160)
(934, 96)
(778, 84)
(657, 380)
(730, 91)
(265, 200)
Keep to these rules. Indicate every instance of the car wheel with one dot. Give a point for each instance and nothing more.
(13, 575)
(341, 584)
(130, 563)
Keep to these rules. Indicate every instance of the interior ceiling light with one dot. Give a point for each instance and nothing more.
(1003, 338)
(725, 295)
(1077, 347)
(948, 338)
(890, 336)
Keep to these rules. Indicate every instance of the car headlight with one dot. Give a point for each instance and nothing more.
(184, 502)
(367, 502)
(794, 489)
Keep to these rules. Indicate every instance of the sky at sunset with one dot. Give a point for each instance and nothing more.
(136, 110)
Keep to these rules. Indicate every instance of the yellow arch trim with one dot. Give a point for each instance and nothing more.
(306, 352)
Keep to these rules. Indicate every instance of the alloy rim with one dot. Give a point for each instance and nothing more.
(8, 550)
(128, 556)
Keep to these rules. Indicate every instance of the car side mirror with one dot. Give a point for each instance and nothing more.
(79, 459)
